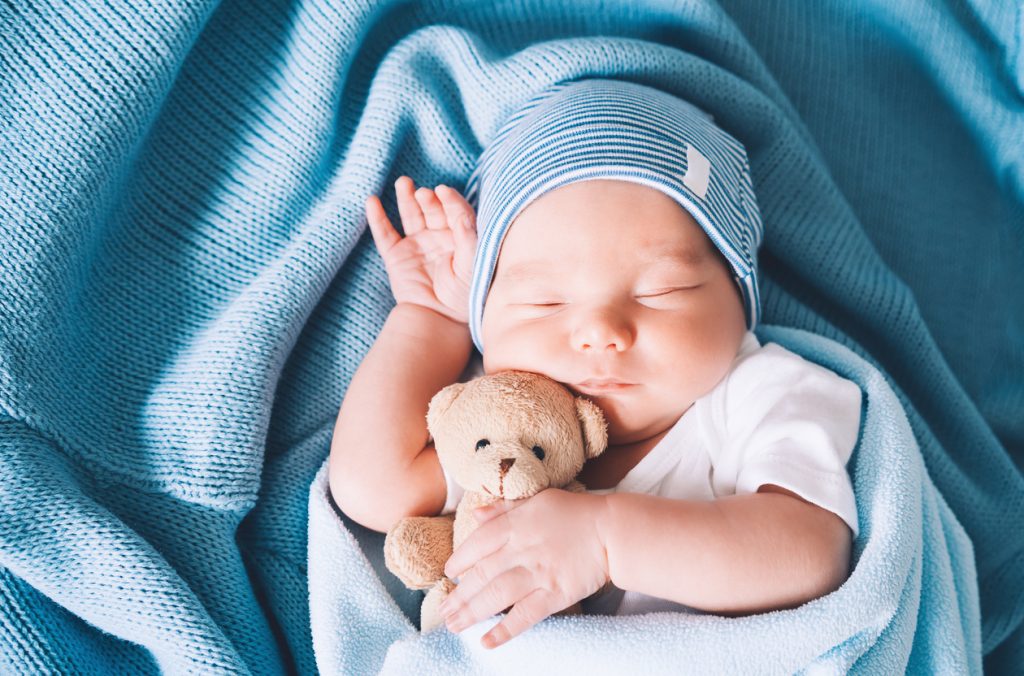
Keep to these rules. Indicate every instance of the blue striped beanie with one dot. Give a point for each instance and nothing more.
(611, 129)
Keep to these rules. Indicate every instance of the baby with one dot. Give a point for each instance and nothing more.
(630, 277)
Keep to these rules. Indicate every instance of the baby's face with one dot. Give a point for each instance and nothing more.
(611, 280)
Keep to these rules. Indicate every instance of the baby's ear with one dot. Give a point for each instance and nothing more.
(440, 403)
(592, 423)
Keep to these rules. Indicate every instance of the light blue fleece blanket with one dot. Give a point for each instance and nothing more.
(187, 286)
(910, 603)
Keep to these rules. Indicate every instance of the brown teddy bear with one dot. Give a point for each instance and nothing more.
(508, 436)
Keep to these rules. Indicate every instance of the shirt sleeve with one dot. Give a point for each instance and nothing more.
(455, 492)
(791, 423)
(474, 369)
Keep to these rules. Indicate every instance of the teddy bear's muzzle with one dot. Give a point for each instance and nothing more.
(513, 478)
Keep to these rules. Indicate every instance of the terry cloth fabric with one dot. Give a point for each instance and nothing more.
(610, 129)
(187, 287)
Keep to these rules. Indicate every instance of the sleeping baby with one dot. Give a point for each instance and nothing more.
(627, 230)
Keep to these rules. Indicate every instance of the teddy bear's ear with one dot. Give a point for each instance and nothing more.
(440, 403)
(595, 430)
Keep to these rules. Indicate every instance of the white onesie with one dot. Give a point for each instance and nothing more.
(775, 418)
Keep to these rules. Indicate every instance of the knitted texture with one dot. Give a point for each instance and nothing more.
(186, 284)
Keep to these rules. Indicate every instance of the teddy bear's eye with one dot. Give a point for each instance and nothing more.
(539, 452)
(480, 444)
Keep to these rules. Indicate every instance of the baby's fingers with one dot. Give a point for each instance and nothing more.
(433, 212)
(462, 221)
(384, 234)
(524, 614)
(456, 208)
(408, 208)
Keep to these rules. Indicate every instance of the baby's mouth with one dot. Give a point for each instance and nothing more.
(597, 387)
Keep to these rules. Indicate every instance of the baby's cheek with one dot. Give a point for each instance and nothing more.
(519, 346)
(695, 359)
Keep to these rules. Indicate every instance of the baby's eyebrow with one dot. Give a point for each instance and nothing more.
(524, 271)
(686, 256)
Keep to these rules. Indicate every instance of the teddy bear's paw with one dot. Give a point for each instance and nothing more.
(416, 549)
(575, 486)
(430, 616)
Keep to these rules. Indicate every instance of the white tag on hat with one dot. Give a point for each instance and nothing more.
(698, 172)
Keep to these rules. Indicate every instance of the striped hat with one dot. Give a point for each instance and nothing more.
(611, 129)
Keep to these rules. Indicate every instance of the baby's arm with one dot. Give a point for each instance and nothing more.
(381, 466)
(785, 422)
(735, 555)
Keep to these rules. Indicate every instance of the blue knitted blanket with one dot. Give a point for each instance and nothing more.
(187, 286)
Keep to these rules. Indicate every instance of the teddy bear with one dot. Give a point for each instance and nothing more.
(507, 435)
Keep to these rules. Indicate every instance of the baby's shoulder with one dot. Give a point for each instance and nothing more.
(769, 359)
(772, 372)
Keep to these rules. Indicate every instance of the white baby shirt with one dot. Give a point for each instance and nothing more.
(775, 418)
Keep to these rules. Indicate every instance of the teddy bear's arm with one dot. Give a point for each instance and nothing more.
(574, 486)
(417, 548)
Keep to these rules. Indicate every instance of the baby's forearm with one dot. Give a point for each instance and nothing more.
(381, 426)
(735, 555)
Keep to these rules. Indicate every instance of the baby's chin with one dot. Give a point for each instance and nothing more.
(625, 429)
(627, 437)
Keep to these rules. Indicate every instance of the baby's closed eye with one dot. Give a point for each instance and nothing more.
(670, 297)
(537, 297)
(664, 291)
(537, 308)
(659, 292)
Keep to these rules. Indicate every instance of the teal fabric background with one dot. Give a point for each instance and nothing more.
(186, 284)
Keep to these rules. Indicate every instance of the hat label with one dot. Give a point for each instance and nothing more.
(698, 172)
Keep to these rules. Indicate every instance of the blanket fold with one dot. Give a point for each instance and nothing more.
(904, 607)
(187, 287)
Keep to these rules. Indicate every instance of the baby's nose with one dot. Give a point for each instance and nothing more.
(601, 330)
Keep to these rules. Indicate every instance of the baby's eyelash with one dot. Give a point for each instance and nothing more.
(527, 303)
(662, 292)
(647, 294)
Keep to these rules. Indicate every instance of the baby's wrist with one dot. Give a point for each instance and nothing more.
(409, 307)
(603, 522)
(430, 324)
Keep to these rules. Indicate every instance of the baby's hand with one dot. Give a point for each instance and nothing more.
(524, 556)
(432, 265)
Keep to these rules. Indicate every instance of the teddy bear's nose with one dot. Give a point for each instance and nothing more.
(506, 465)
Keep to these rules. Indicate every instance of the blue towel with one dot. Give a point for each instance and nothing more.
(187, 286)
